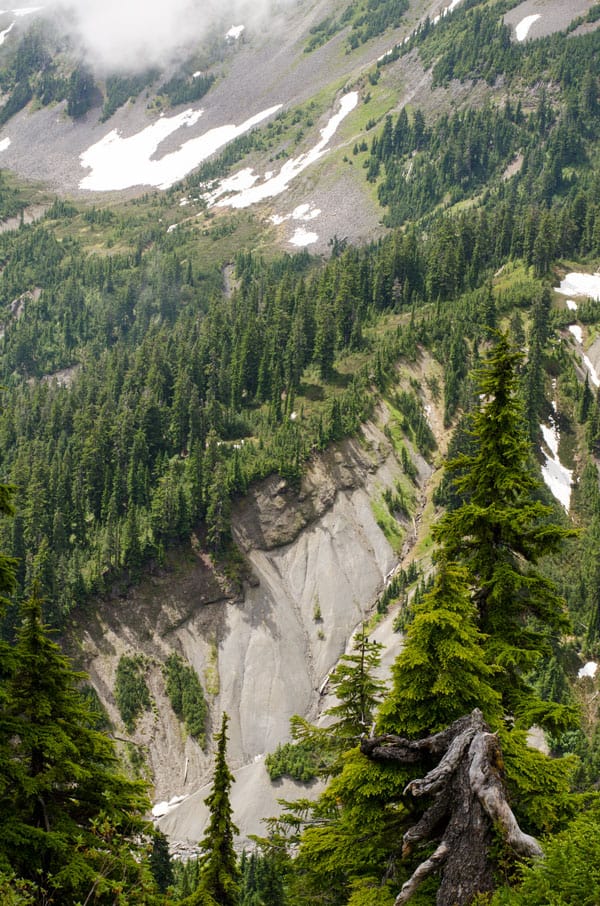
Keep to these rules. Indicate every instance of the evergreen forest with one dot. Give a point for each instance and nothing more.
(152, 378)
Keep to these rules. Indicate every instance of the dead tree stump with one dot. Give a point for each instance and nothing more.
(468, 800)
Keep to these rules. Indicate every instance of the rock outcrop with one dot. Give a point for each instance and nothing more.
(318, 560)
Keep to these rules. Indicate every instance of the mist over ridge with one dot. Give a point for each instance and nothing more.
(129, 35)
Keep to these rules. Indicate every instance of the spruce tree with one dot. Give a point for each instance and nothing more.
(219, 872)
(72, 825)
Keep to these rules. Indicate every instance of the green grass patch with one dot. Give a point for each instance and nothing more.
(388, 524)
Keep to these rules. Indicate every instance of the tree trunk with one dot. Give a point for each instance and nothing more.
(468, 801)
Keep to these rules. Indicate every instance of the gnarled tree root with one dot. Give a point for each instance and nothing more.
(469, 800)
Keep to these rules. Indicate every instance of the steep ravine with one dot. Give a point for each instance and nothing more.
(318, 561)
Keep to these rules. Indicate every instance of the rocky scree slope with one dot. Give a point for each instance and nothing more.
(318, 561)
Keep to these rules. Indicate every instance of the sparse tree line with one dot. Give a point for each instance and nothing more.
(41, 66)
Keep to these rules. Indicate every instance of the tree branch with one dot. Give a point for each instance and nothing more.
(487, 785)
(433, 863)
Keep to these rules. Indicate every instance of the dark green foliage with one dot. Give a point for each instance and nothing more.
(131, 692)
(357, 690)
(80, 96)
(119, 89)
(415, 422)
(19, 98)
(568, 875)
(368, 18)
(218, 875)
(71, 823)
(186, 696)
(318, 751)
(441, 673)
(95, 707)
(262, 881)
(298, 760)
(500, 531)
(182, 90)
(160, 862)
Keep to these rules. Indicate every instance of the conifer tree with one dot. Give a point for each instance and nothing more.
(219, 873)
(499, 532)
(358, 692)
(72, 825)
(441, 673)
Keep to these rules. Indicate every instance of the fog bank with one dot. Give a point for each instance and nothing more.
(135, 34)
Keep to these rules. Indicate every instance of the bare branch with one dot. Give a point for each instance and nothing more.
(487, 785)
(425, 869)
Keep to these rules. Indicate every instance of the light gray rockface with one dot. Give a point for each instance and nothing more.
(318, 560)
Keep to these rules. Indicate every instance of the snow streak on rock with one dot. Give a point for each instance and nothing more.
(577, 332)
(6, 32)
(556, 476)
(245, 185)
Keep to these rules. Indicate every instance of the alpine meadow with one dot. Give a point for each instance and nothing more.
(300, 453)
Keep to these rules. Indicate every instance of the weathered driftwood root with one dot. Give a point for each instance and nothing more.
(469, 800)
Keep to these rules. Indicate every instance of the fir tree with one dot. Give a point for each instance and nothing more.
(441, 672)
(499, 532)
(219, 873)
(358, 692)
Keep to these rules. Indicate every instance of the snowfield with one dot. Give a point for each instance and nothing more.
(522, 29)
(120, 163)
(580, 285)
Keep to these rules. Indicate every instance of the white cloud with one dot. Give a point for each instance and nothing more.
(133, 34)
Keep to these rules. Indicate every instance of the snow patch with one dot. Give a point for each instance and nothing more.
(522, 29)
(571, 305)
(235, 32)
(163, 808)
(118, 163)
(577, 332)
(580, 285)
(4, 144)
(556, 476)
(303, 237)
(304, 212)
(588, 669)
(4, 34)
(278, 183)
